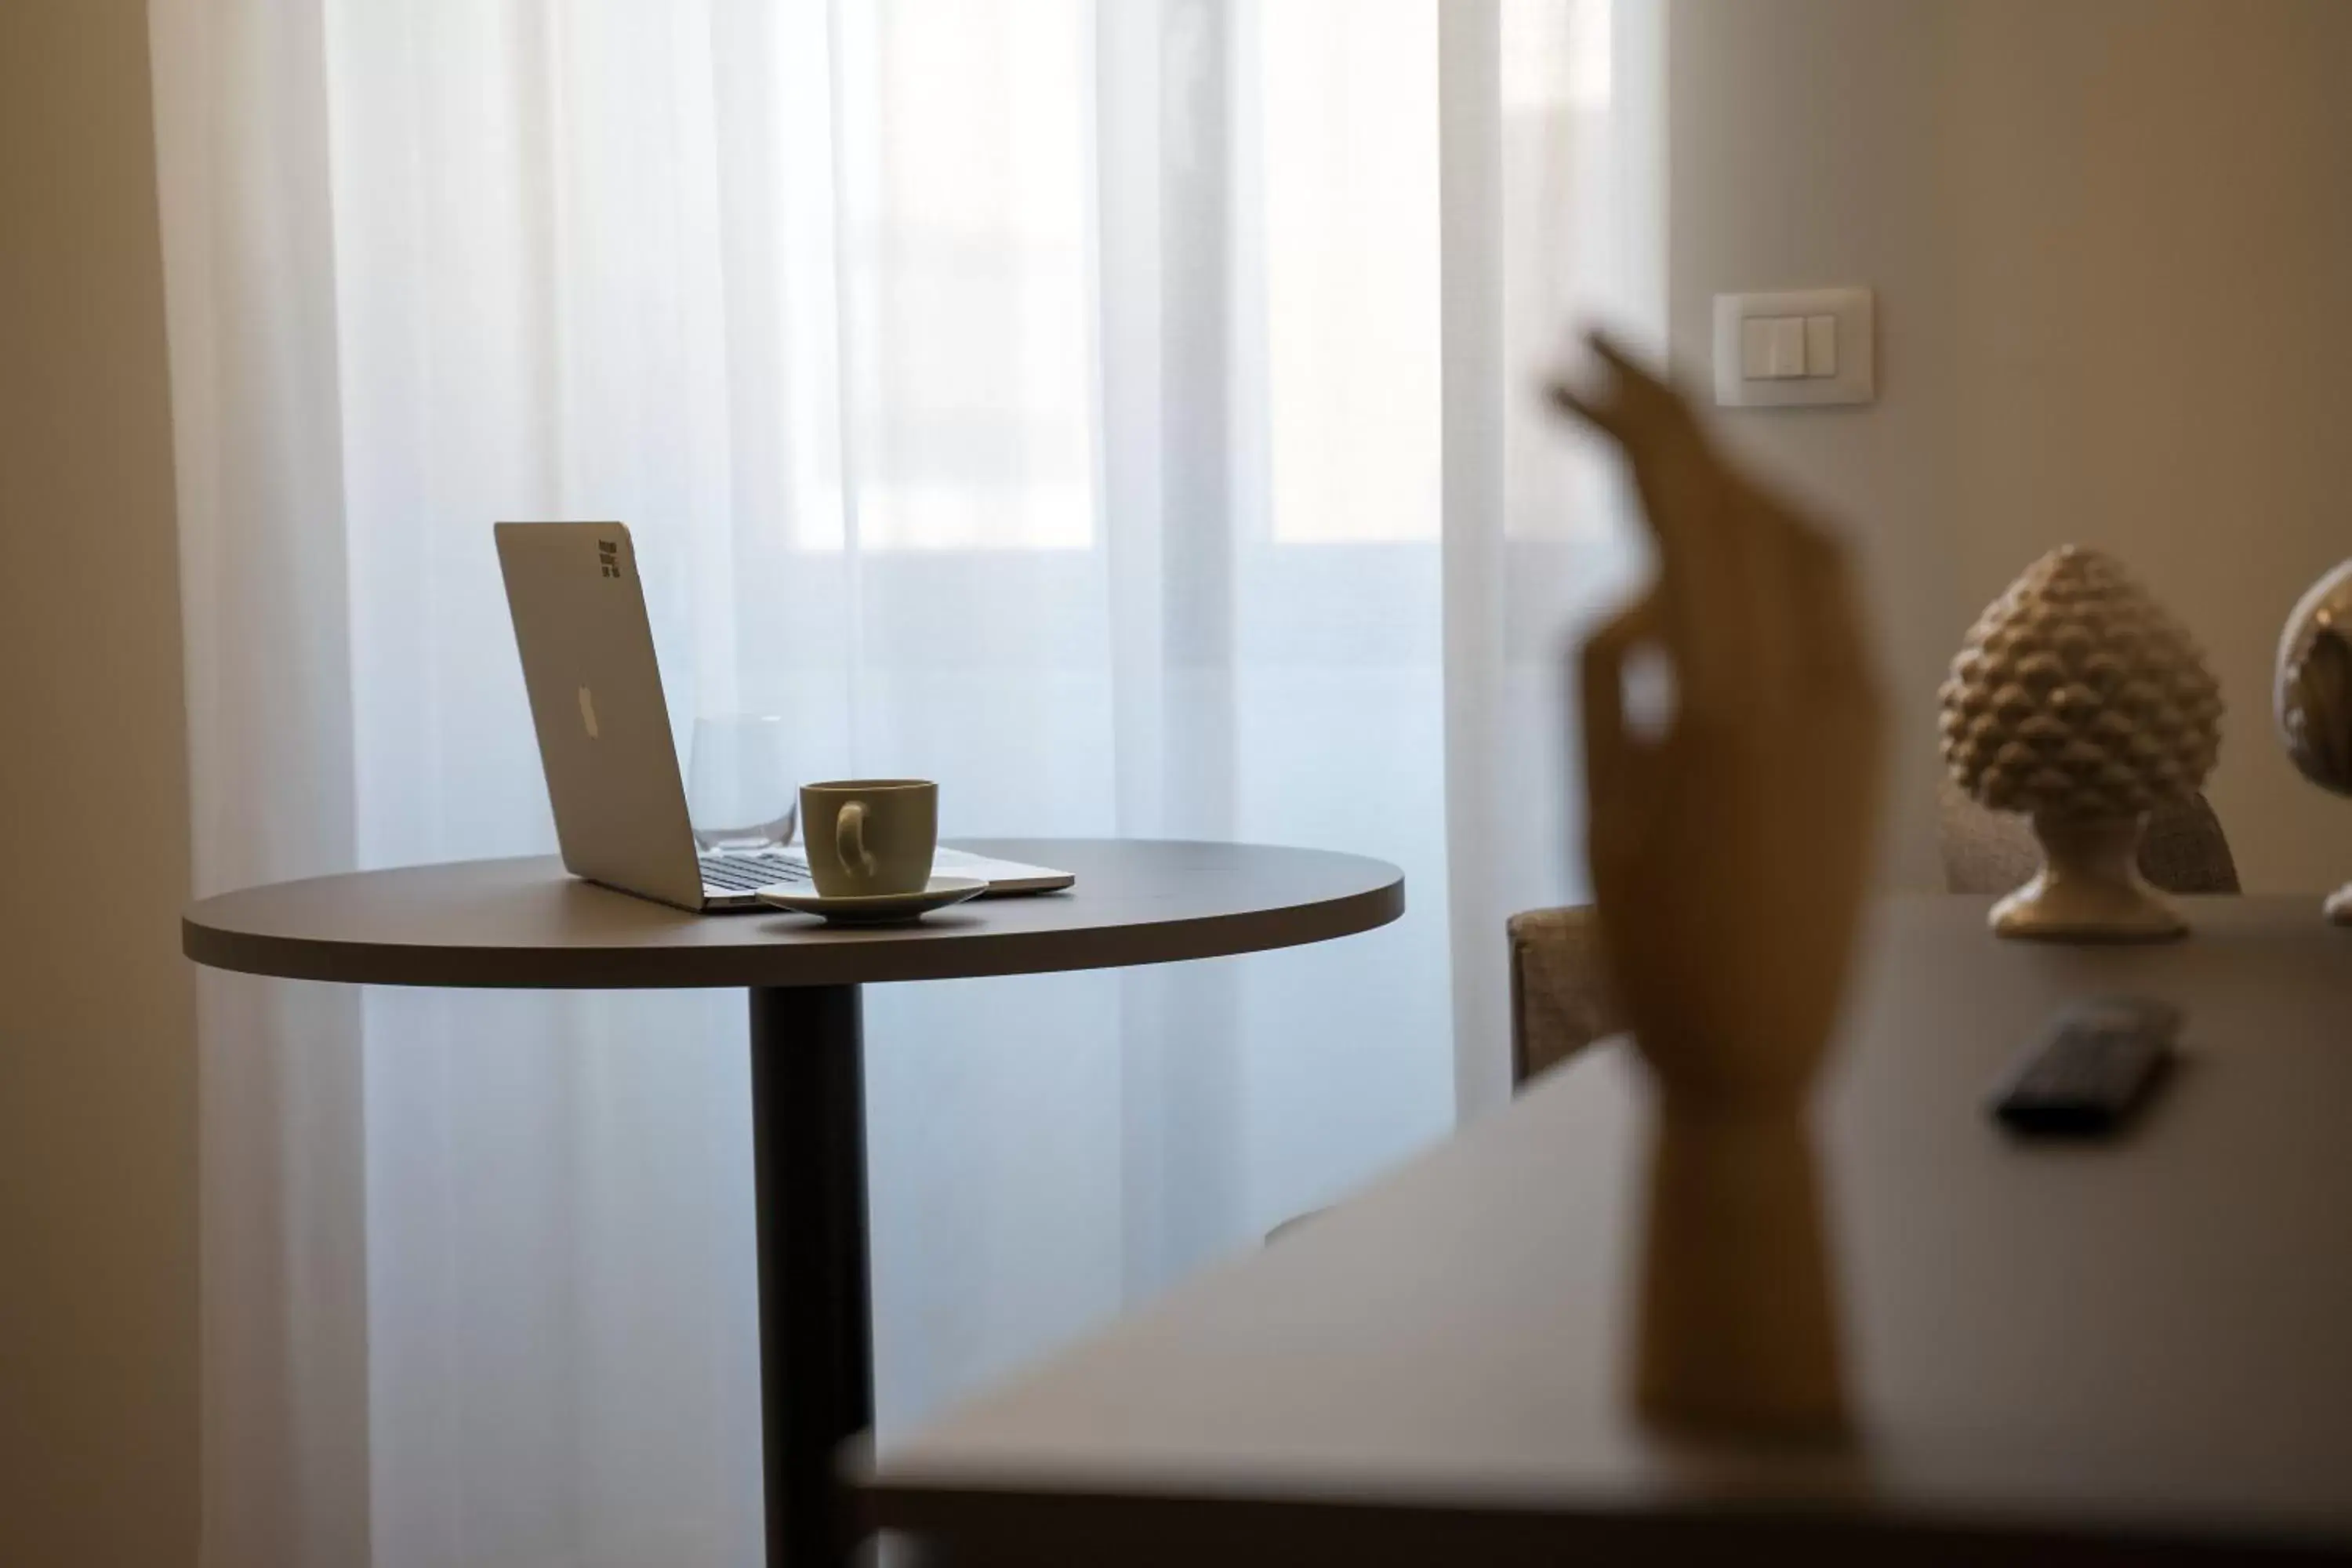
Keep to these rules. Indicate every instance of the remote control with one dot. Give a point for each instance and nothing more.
(2094, 1066)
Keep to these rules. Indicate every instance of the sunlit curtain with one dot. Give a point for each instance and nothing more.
(1119, 413)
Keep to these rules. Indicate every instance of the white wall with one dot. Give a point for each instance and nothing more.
(98, 1158)
(2112, 241)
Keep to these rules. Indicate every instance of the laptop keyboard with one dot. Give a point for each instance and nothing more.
(750, 873)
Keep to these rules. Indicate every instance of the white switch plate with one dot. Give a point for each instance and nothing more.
(1820, 345)
(1856, 357)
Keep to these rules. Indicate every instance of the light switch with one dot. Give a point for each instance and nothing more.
(1772, 348)
(1820, 345)
(1800, 346)
(1788, 346)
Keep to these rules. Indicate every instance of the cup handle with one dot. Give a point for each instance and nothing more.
(849, 839)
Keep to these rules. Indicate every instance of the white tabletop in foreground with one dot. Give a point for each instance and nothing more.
(2148, 1343)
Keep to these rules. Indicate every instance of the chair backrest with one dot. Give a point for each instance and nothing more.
(1561, 998)
(2184, 850)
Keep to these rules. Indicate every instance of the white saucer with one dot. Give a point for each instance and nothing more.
(879, 909)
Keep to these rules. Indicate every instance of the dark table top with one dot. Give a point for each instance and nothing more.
(526, 924)
(2144, 1347)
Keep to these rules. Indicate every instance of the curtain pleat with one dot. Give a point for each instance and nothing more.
(1116, 412)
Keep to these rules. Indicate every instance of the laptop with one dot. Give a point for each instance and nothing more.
(605, 739)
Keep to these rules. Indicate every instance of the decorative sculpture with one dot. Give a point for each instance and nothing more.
(2079, 701)
(1730, 855)
(2314, 696)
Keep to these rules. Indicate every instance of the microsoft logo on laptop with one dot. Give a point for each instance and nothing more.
(608, 557)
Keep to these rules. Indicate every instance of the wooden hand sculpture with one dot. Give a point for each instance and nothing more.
(1729, 853)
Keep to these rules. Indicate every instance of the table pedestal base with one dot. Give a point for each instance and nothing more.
(816, 1351)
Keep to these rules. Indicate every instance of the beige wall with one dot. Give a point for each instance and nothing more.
(98, 1162)
(2112, 241)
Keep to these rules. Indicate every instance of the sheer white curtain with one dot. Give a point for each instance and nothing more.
(1118, 412)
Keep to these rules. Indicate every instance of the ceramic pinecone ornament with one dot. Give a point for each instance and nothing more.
(2078, 700)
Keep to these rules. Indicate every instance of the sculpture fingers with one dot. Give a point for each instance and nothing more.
(1695, 508)
(1841, 654)
(1621, 769)
(1816, 646)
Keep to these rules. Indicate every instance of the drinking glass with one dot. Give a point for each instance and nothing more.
(740, 791)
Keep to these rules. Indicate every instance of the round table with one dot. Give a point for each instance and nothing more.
(527, 923)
